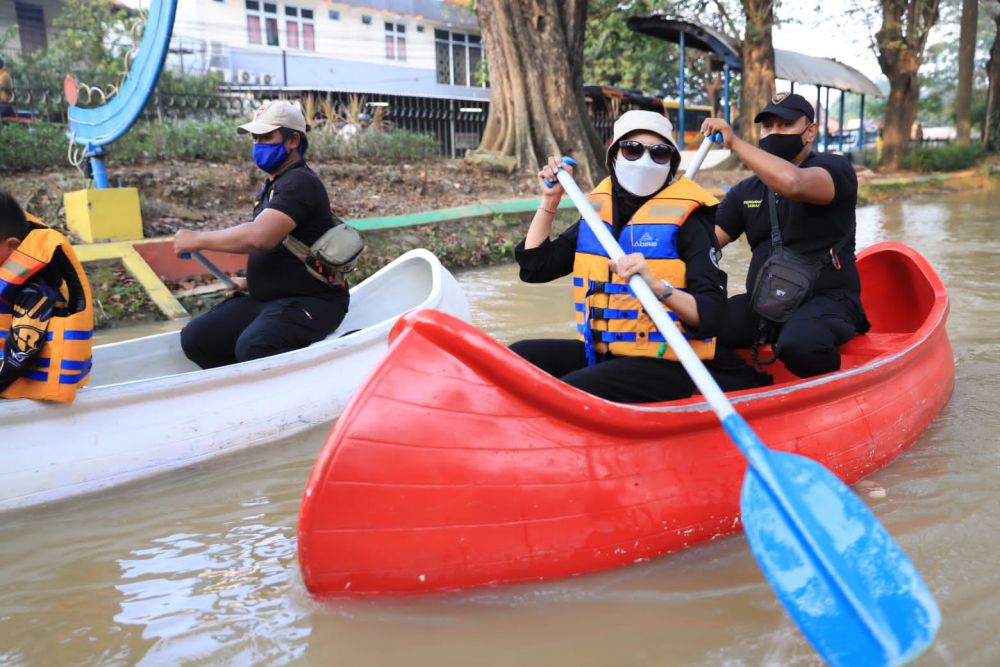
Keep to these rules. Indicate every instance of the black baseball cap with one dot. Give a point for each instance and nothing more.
(786, 106)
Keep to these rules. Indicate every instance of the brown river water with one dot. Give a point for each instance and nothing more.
(198, 567)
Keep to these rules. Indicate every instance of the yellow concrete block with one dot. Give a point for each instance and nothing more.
(111, 214)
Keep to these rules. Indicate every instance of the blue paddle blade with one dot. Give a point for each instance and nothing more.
(842, 578)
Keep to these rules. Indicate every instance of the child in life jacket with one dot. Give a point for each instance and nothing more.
(46, 321)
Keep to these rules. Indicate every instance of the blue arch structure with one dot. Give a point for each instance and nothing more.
(96, 127)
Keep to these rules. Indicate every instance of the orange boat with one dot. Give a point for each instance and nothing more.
(459, 465)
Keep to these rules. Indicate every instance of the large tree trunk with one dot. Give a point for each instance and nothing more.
(713, 85)
(990, 129)
(966, 63)
(534, 49)
(757, 55)
(901, 41)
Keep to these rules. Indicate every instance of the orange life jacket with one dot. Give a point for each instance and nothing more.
(63, 364)
(607, 313)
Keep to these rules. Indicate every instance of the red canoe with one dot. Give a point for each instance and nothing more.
(459, 465)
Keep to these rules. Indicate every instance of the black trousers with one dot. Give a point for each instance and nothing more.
(633, 379)
(241, 328)
(807, 343)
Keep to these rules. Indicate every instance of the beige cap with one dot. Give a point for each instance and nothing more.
(274, 114)
(645, 121)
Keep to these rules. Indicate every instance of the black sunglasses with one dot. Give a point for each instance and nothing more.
(633, 150)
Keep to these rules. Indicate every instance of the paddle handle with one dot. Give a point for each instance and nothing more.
(212, 268)
(699, 157)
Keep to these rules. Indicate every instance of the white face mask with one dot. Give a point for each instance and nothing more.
(641, 177)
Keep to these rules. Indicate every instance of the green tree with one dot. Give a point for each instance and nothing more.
(91, 42)
(901, 40)
(941, 65)
(991, 123)
(966, 66)
(616, 55)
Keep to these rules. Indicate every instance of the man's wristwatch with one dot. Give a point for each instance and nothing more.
(667, 292)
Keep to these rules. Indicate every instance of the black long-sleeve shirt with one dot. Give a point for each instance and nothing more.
(706, 282)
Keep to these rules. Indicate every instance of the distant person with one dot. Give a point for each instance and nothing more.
(815, 195)
(6, 91)
(288, 304)
(46, 320)
(664, 223)
(917, 132)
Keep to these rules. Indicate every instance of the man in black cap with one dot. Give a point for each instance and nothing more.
(815, 196)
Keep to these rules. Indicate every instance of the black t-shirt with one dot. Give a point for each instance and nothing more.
(809, 229)
(272, 274)
(706, 282)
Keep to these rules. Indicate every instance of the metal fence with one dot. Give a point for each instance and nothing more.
(456, 125)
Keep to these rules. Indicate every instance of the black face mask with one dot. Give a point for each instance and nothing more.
(785, 146)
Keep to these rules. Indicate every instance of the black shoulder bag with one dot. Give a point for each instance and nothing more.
(786, 280)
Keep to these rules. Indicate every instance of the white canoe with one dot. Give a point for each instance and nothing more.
(148, 409)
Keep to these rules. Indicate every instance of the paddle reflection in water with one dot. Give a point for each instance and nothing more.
(198, 567)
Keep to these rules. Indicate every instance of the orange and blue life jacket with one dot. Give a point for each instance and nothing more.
(609, 317)
(43, 259)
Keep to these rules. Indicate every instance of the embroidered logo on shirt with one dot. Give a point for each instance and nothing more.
(646, 241)
(753, 203)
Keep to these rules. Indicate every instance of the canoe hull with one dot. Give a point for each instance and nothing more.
(127, 429)
(457, 465)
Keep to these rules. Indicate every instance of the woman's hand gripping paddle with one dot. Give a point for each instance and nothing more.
(212, 268)
(842, 578)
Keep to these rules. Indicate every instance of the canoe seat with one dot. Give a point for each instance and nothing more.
(855, 352)
(873, 344)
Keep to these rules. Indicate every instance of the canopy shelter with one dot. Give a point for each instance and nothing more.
(788, 65)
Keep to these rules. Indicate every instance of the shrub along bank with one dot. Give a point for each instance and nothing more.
(39, 145)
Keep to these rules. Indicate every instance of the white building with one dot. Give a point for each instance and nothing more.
(33, 19)
(425, 48)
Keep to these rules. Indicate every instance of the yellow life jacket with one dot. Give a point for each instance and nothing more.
(63, 364)
(608, 315)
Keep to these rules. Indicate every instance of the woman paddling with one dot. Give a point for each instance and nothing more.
(665, 226)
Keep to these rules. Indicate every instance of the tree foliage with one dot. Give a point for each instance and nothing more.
(92, 41)
(618, 56)
(991, 123)
(940, 66)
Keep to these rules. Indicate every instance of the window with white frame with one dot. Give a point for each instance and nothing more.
(395, 41)
(457, 56)
(300, 28)
(262, 22)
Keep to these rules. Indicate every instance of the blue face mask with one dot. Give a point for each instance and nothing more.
(269, 156)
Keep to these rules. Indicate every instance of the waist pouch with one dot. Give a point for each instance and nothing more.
(783, 283)
(334, 254)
